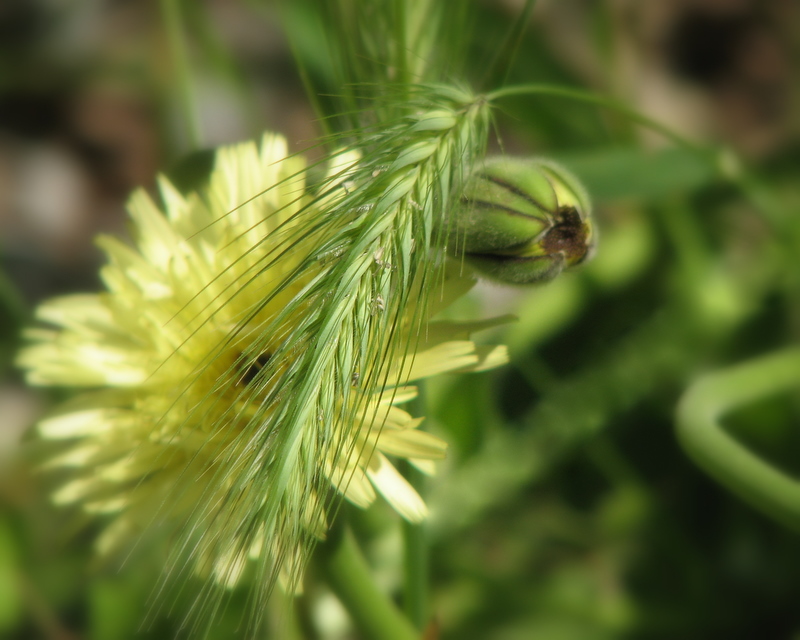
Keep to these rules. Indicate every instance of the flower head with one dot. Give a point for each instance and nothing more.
(181, 363)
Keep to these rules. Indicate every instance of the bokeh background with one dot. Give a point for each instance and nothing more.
(567, 509)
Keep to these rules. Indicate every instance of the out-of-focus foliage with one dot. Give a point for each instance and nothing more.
(567, 508)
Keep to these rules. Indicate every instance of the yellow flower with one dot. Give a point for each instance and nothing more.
(176, 364)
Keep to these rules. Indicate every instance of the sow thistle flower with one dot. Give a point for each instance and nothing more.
(183, 362)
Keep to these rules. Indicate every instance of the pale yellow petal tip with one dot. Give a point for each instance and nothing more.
(289, 583)
(358, 490)
(396, 490)
(452, 355)
(225, 569)
(351, 481)
(105, 507)
(228, 569)
(115, 536)
(75, 491)
(428, 467)
(399, 395)
(411, 443)
(490, 357)
(75, 425)
(273, 147)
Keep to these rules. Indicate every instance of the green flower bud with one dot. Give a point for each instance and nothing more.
(522, 221)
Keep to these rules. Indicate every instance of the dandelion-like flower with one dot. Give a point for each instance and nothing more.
(181, 362)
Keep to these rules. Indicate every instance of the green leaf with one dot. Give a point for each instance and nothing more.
(626, 173)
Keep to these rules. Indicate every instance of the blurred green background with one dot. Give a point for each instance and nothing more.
(567, 509)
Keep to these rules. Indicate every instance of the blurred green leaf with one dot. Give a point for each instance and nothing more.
(631, 173)
(115, 609)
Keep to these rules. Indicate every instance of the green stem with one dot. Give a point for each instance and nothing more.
(311, 92)
(507, 53)
(171, 14)
(722, 456)
(415, 562)
(350, 578)
(401, 45)
(415, 541)
(580, 95)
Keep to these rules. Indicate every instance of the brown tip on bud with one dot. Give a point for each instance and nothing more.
(569, 236)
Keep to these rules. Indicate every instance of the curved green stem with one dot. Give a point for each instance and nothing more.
(580, 95)
(722, 456)
(350, 578)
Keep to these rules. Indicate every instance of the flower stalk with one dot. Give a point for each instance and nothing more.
(415, 561)
(701, 430)
(349, 576)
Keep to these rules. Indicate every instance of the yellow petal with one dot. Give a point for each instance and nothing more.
(411, 444)
(448, 356)
(354, 485)
(396, 489)
(428, 467)
(489, 357)
(80, 423)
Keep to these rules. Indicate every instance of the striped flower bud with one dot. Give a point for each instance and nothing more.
(522, 221)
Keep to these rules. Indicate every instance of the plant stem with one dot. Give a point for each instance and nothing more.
(415, 562)
(719, 453)
(558, 91)
(415, 542)
(350, 578)
(171, 14)
(403, 78)
(507, 53)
